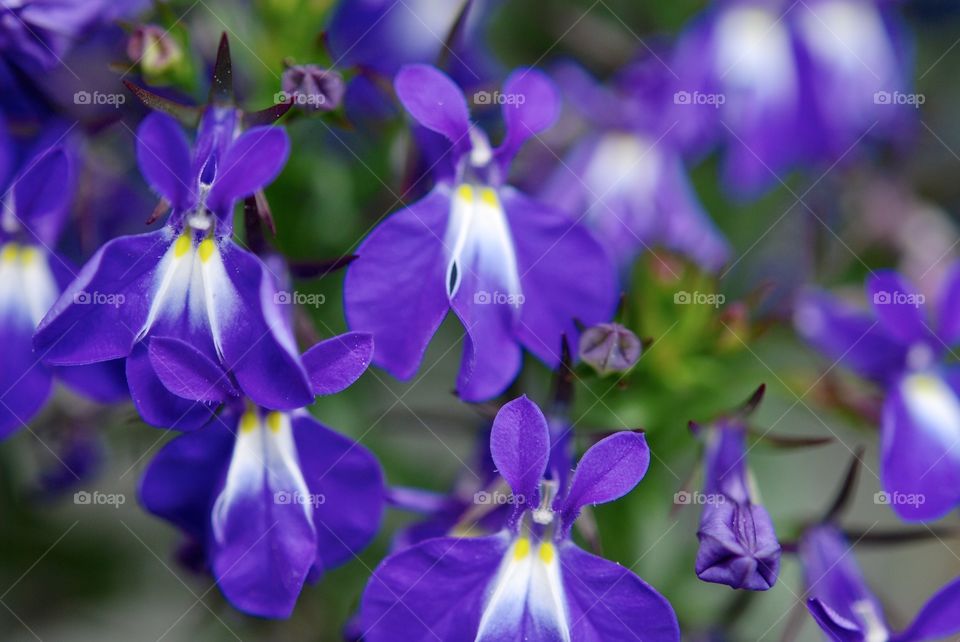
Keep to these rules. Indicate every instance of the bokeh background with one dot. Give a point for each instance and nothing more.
(81, 572)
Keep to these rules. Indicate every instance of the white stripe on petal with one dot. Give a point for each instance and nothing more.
(934, 406)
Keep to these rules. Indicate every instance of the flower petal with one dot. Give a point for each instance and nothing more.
(843, 333)
(948, 312)
(348, 478)
(99, 315)
(898, 306)
(520, 446)
(163, 154)
(156, 404)
(434, 101)
(187, 372)
(531, 105)
(938, 619)
(258, 346)
(42, 193)
(333, 365)
(254, 159)
(395, 289)
(609, 602)
(565, 275)
(607, 471)
(920, 448)
(434, 589)
(103, 382)
(24, 381)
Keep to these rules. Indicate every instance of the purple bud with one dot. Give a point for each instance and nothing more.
(738, 545)
(312, 88)
(609, 348)
(154, 48)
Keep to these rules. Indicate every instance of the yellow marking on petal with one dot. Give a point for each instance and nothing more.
(275, 421)
(10, 252)
(29, 254)
(183, 245)
(547, 552)
(489, 197)
(522, 548)
(465, 192)
(924, 383)
(206, 250)
(248, 422)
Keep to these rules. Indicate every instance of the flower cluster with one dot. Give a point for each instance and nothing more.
(570, 222)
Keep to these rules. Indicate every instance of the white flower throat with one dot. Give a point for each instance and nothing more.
(478, 243)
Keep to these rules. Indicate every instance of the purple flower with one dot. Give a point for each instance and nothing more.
(782, 83)
(515, 272)
(276, 499)
(738, 546)
(845, 608)
(626, 175)
(273, 498)
(530, 581)
(39, 32)
(187, 281)
(33, 210)
(899, 349)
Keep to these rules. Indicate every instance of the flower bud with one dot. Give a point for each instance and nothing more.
(312, 88)
(154, 48)
(609, 348)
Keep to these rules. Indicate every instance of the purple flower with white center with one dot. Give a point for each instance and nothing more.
(516, 272)
(274, 498)
(901, 351)
(32, 276)
(530, 581)
(627, 173)
(845, 607)
(738, 546)
(189, 280)
(781, 83)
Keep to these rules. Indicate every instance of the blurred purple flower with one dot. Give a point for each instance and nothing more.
(515, 271)
(782, 83)
(899, 349)
(530, 579)
(845, 607)
(738, 546)
(35, 203)
(626, 176)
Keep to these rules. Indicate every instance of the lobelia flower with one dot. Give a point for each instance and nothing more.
(627, 174)
(529, 581)
(274, 498)
(188, 280)
(516, 272)
(782, 83)
(738, 546)
(845, 607)
(32, 275)
(898, 349)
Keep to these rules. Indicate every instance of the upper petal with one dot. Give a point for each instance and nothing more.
(41, 195)
(163, 154)
(520, 446)
(334, 364)
(607, 471)
(531, 105)
(899, 307)
(251, 162)
(434, 101)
